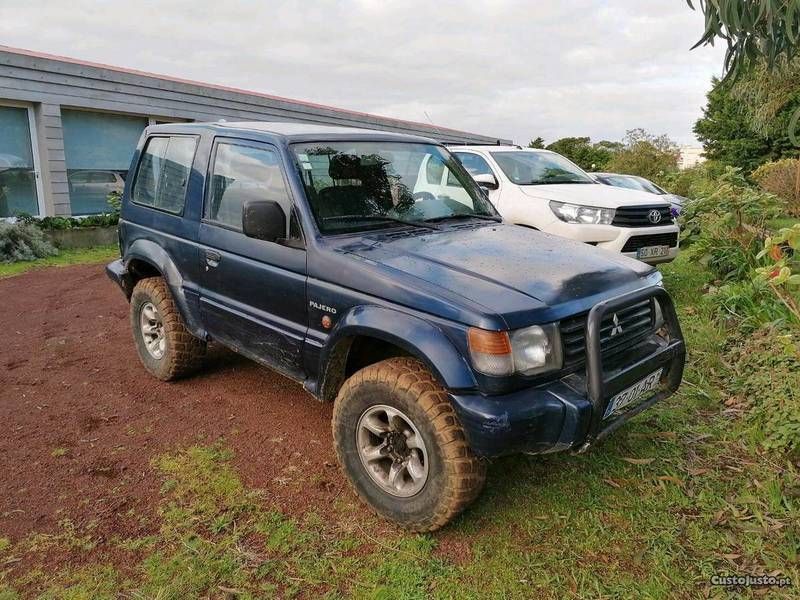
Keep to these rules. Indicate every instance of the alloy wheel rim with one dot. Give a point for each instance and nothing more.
(152, 328)
(392, 450)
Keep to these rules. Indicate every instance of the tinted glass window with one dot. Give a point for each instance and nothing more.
(100, 145)
(17, 175)
(634, 183)
(175, 175)
(243, 173)
(151, 165)
(474, 164)
(538, 168)
(357, 185)
(164, 173)
(434, 170)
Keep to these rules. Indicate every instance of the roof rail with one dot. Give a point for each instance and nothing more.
(497, 143)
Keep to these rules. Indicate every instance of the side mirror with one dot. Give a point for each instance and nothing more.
(486, 181)
(263, 220)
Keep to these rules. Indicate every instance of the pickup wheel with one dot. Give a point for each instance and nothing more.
(166, 348)
(402, 447)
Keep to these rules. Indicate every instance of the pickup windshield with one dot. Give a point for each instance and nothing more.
(539, 168)
(355, 186)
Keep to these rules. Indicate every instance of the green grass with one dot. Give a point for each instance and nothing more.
(76, 256)
(680, 494)
(782, 222)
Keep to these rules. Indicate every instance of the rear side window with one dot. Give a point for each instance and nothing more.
(241, 173)
(474, 164)
(164, 173)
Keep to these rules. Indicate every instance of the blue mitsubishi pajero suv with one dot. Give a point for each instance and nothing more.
(441, 334)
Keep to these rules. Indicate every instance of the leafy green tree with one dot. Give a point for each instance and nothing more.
(645, 155)
(754, 31)
(537, 143)
(726, 134)
(582, 152)
(609, 145)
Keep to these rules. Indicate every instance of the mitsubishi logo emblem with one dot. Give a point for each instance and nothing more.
(654, 216)
(617, 329)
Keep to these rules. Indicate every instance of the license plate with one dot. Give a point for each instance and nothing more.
(630, 395)
(652, 252)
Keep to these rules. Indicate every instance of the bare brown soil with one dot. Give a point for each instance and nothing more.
(81, 419)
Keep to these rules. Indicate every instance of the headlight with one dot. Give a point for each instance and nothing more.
(574, 213)
(527, 351)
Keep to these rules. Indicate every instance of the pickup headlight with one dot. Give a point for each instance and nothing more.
(529, 351)
(574, 213)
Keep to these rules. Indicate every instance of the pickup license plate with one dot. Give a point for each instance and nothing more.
(630, 395)
(652, 252)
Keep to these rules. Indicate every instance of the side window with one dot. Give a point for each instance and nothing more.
(242, 173)
(434, 170)
(164, 173)
(474, 164)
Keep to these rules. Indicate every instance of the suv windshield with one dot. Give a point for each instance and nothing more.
(537, 168)
(635, 183)
(354, 186)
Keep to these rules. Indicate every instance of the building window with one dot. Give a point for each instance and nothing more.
(17, 172)
(163, 173)
(98, 148)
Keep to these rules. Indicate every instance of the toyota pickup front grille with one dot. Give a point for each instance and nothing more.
(659, 239)
(619, 331)
(643, 216)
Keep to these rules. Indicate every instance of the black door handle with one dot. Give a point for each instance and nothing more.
(212, 258)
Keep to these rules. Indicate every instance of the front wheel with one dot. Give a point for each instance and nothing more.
(166, 348)
(402, 447)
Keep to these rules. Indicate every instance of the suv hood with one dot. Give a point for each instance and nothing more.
(592, 194)
(506, 270)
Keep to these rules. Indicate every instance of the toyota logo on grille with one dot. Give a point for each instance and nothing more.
(654, 216)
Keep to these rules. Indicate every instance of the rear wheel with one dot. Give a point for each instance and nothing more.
(401, 445)
(166, 348)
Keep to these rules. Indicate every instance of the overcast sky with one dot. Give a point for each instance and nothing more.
(503, 68)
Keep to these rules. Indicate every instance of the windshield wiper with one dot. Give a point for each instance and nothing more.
(383, 218)
(464, 216)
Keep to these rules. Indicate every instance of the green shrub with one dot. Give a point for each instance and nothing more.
(695, 182)
(767, 366)
(781, 178)
(729, 224)
(644, 154)
(22, 241)
(109, 219)
(104, 220)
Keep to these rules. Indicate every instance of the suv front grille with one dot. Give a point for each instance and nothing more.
(658, 239)
(639, 216)
(633, 324)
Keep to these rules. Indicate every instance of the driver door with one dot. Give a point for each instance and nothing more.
(253, 292)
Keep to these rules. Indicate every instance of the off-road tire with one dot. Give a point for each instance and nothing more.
(455, 476)
(184, 353)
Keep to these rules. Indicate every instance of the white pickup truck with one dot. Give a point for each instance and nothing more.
(544, 190)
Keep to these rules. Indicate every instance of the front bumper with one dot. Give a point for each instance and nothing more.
(568, 413)
(673, 254)
(118, 273)
(614, 237)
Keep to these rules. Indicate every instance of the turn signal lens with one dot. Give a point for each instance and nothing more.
(490, 351)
